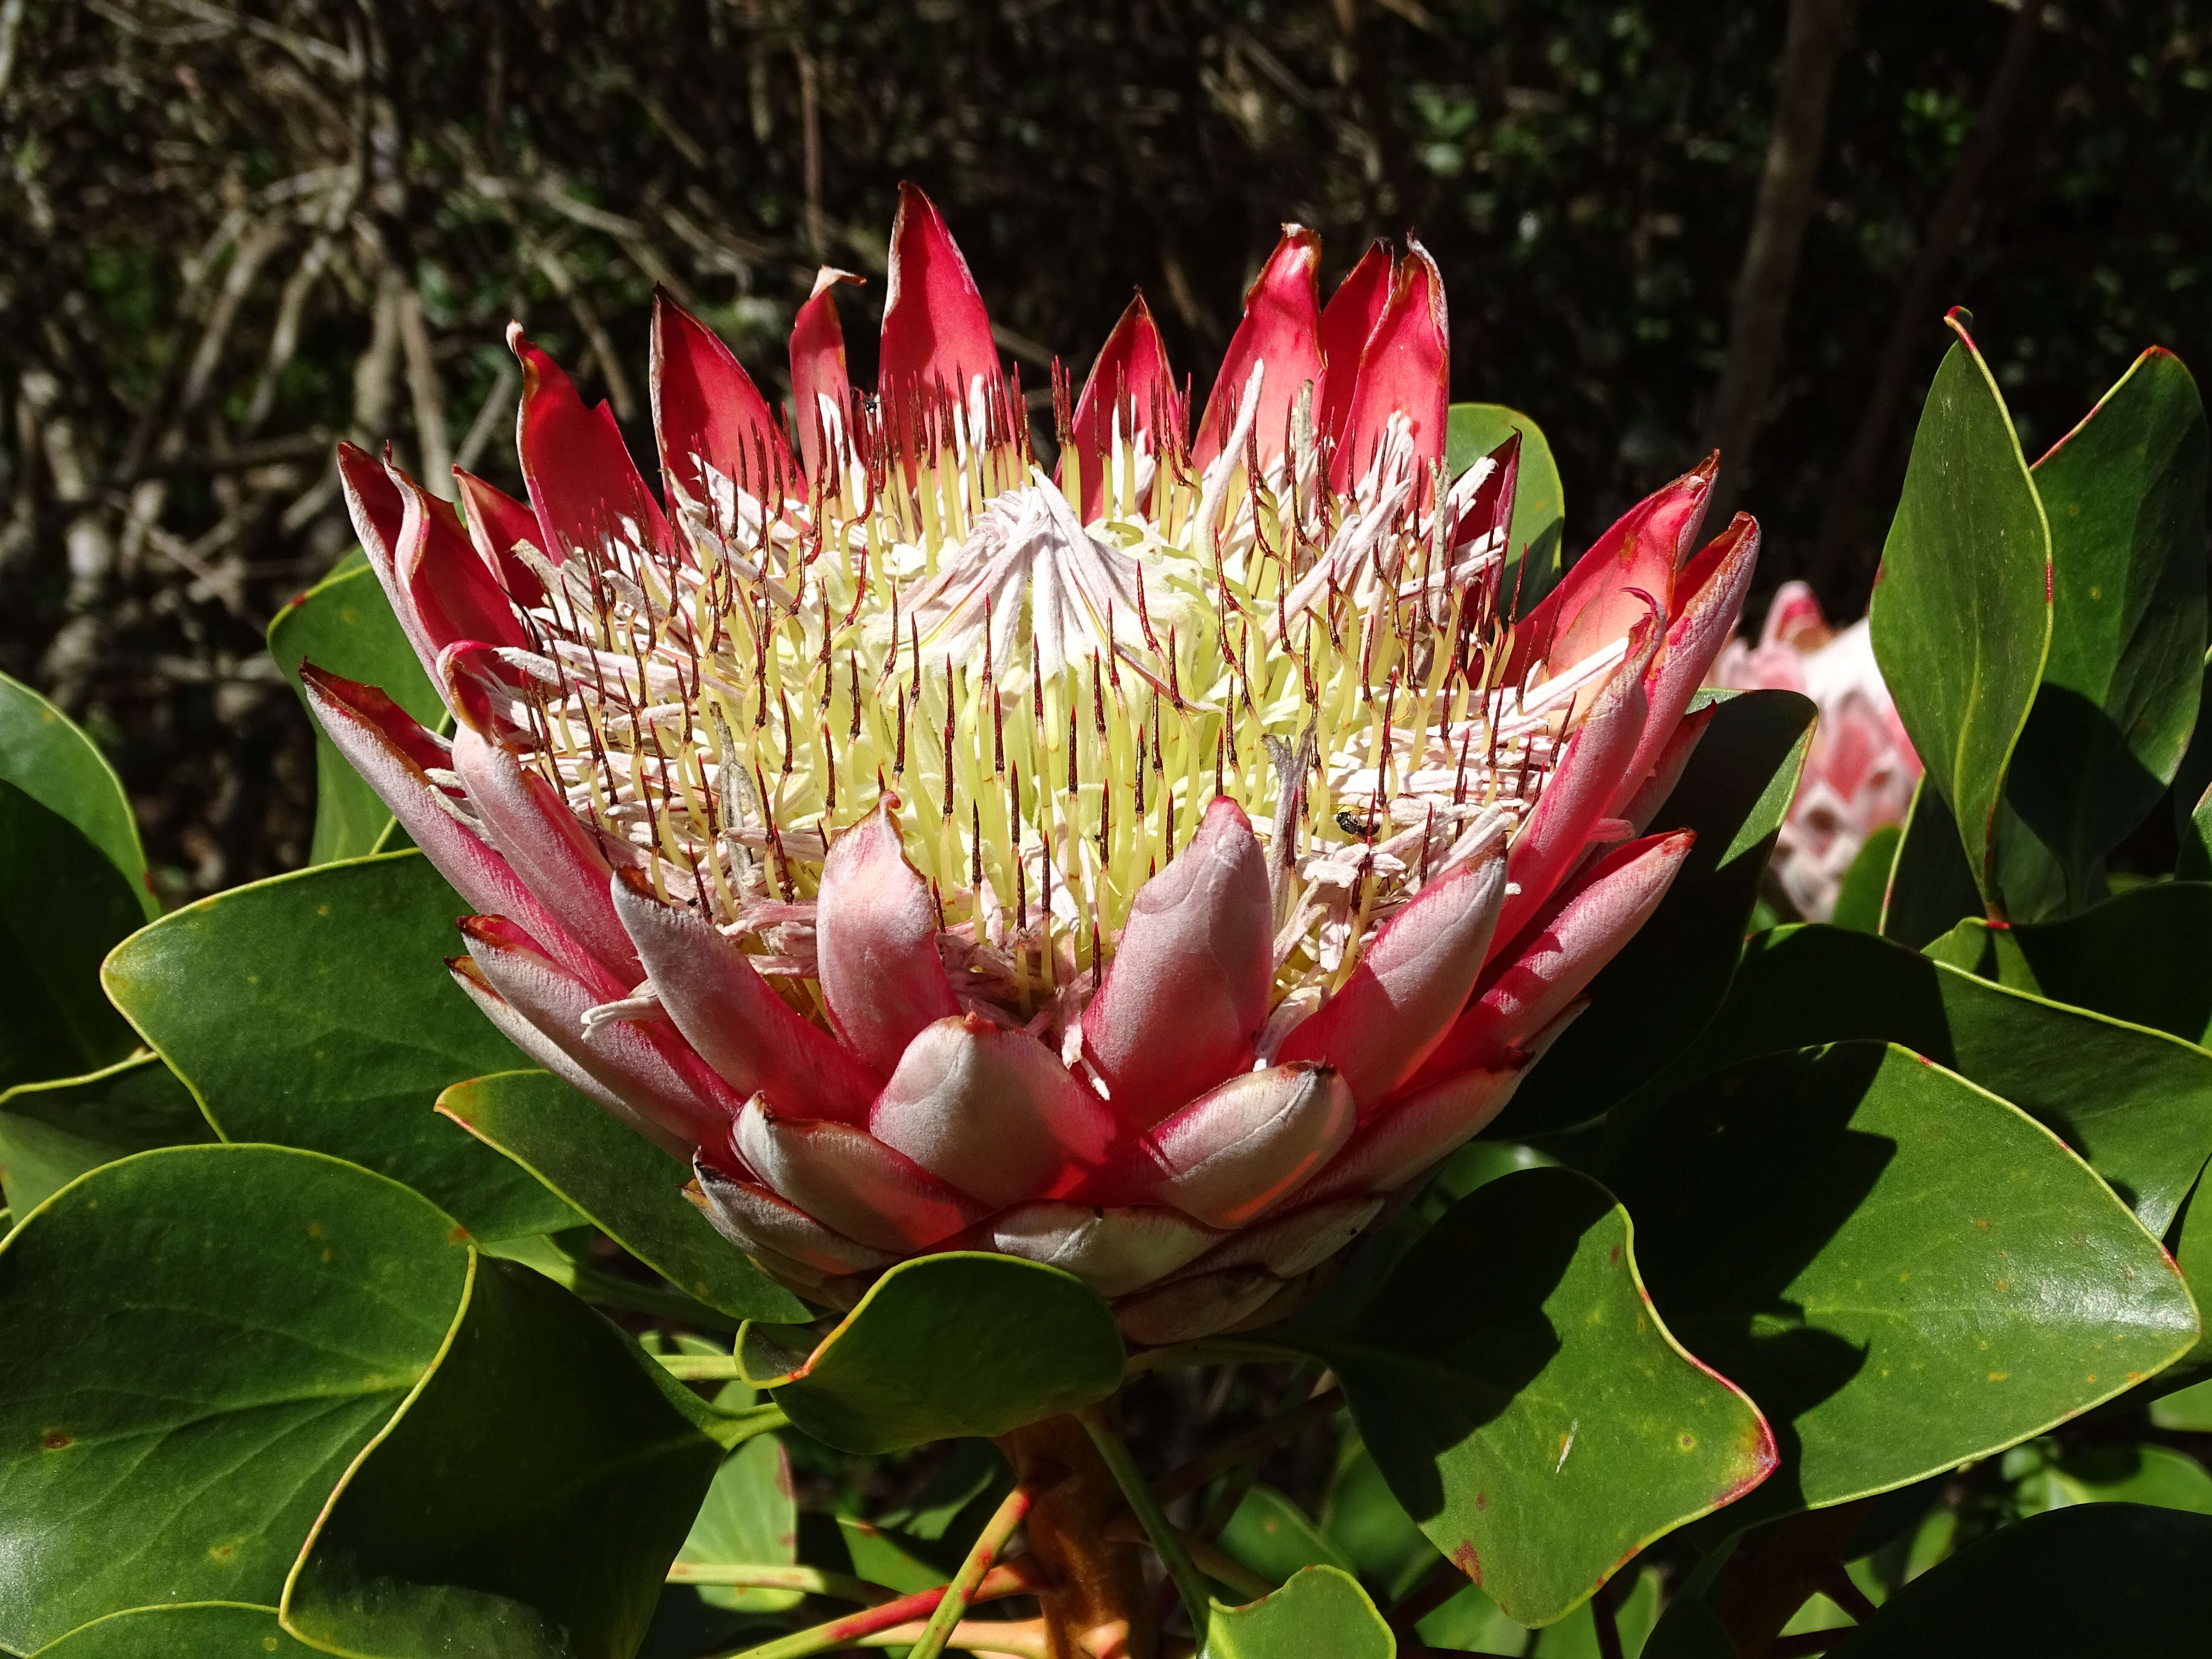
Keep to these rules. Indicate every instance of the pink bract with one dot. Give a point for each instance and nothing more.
(1861, 770)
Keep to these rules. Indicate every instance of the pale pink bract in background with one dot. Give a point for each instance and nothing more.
(1860, 772)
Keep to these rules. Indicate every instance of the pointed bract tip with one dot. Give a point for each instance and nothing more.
(1231, 811)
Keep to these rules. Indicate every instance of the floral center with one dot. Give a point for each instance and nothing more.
(1048, 706)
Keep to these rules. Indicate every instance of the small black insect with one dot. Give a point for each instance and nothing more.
(1353, 825)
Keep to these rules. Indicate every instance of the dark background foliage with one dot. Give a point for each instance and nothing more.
(237, 233)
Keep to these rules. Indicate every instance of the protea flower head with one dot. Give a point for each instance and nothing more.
(1148, 867)
(1861, 770)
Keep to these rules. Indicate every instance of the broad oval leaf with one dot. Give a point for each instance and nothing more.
(2140, 957)
(1533, 558)
(1275, 1538)
(195, 1343)
(2189, 1410)
(1866, 883)
(2192, 795)
(52, 1132)
(2192, 1254)
(2135, 1103)
(2118, 1472)
(1650, 1001)
(345, 623)
(1319, 1609)
(63, 907)
(2098, 1578)
(202, 1630)
(966, 1343)
(524, 1502)
(314, 1010)
(48, 757)
(1525, 1402)
(1931, 886)
(750, 1518)
(1905, 1270)
(1689, 1630)
(2124, 493)
(1472, 1621)
(621, 1181)
(1367, 1525)
(1961, 605)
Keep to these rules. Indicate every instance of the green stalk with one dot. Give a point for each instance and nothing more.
(1190, 1585)
(701, 1367)
(859, 1629)
(748, 1576)
(993, 1539)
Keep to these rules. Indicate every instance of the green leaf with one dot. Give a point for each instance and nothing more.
(1689, 1630)
(314, 1010)
(1905, 1270)
(2189, 1410)
(2192, 1255)
(750, 1517)
(1931, 885)
(525, 1502)
(2136, 1103)
(1961, 605)
(1533, 556)
(1866, 883)
(625, 1185)
(1550, 1427)
(1652, 998)
(2120, 1473)
(2140, 957)
(958, 1500)
(1320, 1610)
(63, 907)
(882, 1555)
(48, 757)
(1274, 1537)
(202, 1630)
(2193, 855)
(2192, 785)
(52, 1132)
(1365, 1523)
(943, 1346)
(194, 1343)
(2124, 493)
(2100, 1578)
(1472, 1620)
(345, 624)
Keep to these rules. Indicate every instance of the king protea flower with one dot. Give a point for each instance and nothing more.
(1861, 770)
(1148, 868)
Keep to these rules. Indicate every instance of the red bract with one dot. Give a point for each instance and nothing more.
(1150, 870)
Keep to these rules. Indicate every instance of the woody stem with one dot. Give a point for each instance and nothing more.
(1091, 1588)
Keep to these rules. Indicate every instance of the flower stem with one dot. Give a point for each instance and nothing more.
(1090, 1590)
(1025, 1639)
(749, 1575)
(1138, 1497)
(993, 1539)
(700, 1367)
(855, 1629)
